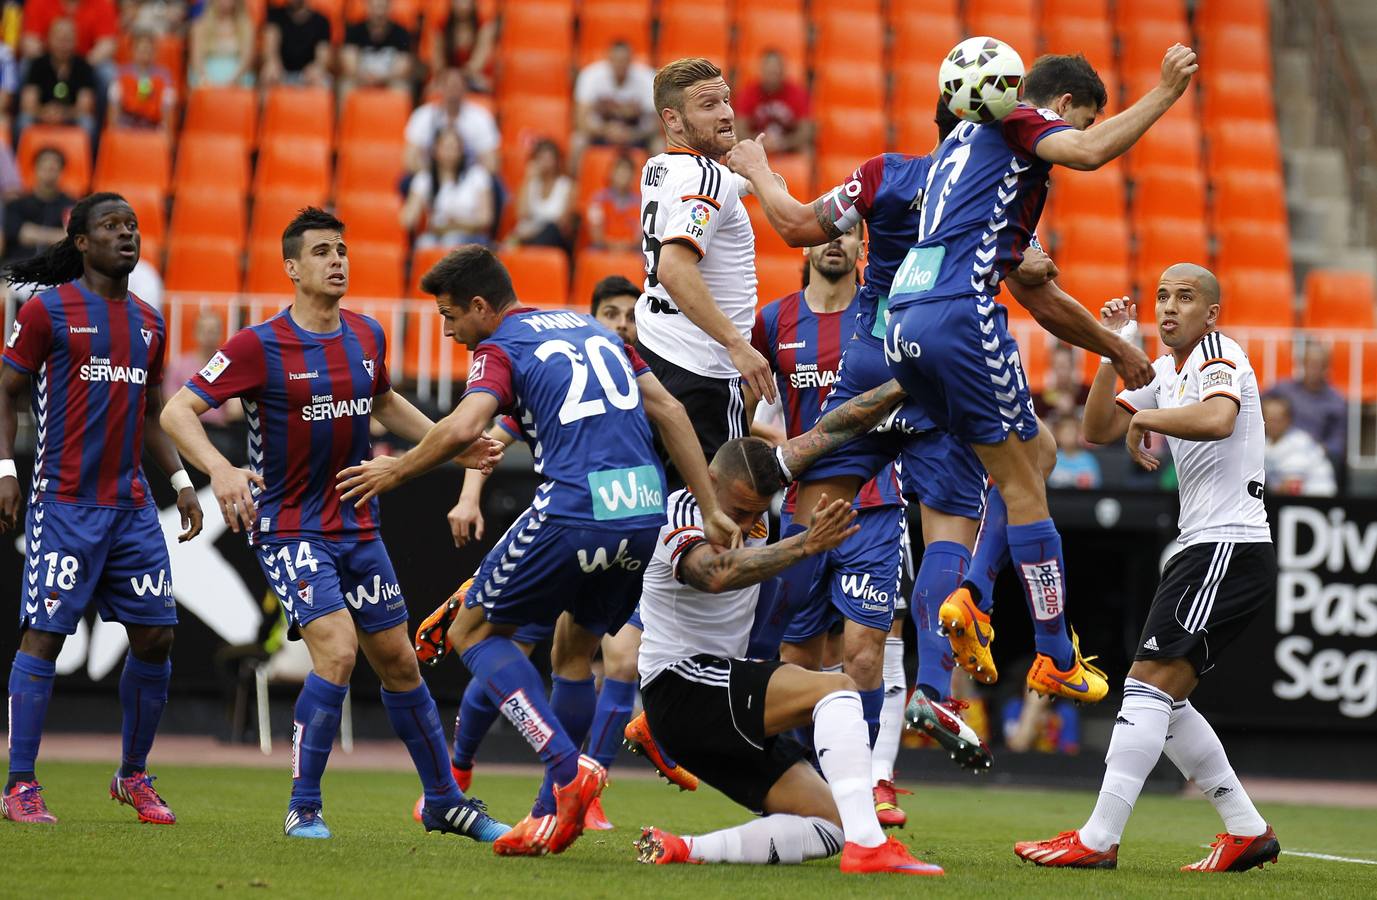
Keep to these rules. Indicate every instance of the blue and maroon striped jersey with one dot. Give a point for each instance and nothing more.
(984, 197)
(90, 361)
(307, 398)
(804, 348)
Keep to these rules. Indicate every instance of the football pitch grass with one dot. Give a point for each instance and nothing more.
(229, 842)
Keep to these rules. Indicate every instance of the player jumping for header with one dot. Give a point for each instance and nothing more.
(90, 355)
(310, 378)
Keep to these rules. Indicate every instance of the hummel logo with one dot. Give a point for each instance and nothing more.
(823, 752)
(1120, 720)
(1150, 643)
(1221, 792)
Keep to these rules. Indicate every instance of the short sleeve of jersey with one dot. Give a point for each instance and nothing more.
(236, 370)
(31, 337)
(760, 336)
(491, 373)
(851, 201)
(1221, 370)
(511, 426)
(638, 365)
(1025, 126)
(159, 360)
(1143, 397)
(683, 532)
(696, 206)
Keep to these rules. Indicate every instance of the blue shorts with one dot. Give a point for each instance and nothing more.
(858, 581)
(944, 474)
(958, 361)
(543, 567)
(117, 556)
(314, 577)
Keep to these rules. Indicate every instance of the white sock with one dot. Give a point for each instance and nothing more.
(891, 713)
(1140, 730)
(1195, 749)
(842, 741)
(769, 840)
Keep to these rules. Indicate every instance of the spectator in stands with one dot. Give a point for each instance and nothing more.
(613, 217)
(1295, 462)
(614, 102)
(11, 185)
(614, 305)
(143, 94)
(465, 42)
(453, 197)
(95, 23)
(222, 46)
(9, 82)
(1066, 390)
(451, 112)
(296, 46)
(777, 107)
(1317, 408)
(377, 52)
(210, 334)
(61, 86)
(161, 17)
(38, 219)
(545, 205)
(1076, 467)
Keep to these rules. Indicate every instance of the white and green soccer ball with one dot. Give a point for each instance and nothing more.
(981, 79)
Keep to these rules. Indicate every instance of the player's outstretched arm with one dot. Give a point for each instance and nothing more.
(13, 385)
(714, 570)
(1104, 421)
(466, 517)
(800, 225)
(233, 487)
(164, 453)
(854, 417)
(681, 442)
(458, 435)
(1092, 148)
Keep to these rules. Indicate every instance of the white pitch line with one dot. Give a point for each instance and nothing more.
(1329, 857)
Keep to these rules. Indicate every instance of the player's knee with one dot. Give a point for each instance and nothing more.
(619, 666)
(151, 645)
(837, 681)
(46, 645)
(865, 661)
(334, 663)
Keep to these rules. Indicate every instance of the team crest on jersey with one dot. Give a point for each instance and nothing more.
(368, 366)
(51, 604)
(147, 336)
(306, 593)
(699, 214)
(476, 368)
(218, 364)
(14, 333)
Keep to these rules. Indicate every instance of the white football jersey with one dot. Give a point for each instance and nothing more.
(687, 198)
(680, 620)
(1221, 482)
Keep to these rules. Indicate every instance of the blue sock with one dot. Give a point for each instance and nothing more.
(477, 712)
(609, 721)
(417, 722)
(1036, 549)
(944, 564)
(795, 584)
(514, 684)
(573, 703)
(143, 694)
(991, 550)
(315, 722)
(871, 702)
(771, 619)
(31, 687)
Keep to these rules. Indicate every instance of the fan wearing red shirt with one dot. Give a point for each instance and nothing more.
(776, 107)
(97, 26)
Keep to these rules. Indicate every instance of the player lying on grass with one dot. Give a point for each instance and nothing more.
(90, 355)
(727, 717)
(1204, 400)
(311, 378)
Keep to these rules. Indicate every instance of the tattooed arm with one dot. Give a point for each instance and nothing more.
(854, 417)
(713, 570)
(800, 224)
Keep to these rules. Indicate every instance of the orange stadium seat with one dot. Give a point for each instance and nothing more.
(304, 112)
(1263, 298)
(835, 168)
(602, 25)
(710, 7)
(1251, 146)
(914, 101)
(767, 240)
(976, 9)
(422, 260)
(376, 269)
(913, 133)
(196, 265)
(373, 217)
(425, 348)
(540, 275)
(923, 40)
(369, 165)
(293, 163)
(690, 29)
(206, 160)
(1089, 240)
(842, 33)
(1338, 299)
(370, 114)
(1018, 31)
(1129, 14)
(1142, 44)
(1249, 196)
(761, 30)
(1052, 10)
(1164, 242)
(1168, 143)
(537, 26)
(1216, 13)
(1237, 50)
(1094, 283)
(1234, 97)
(858, 132)
(594, 166)
(134, 156)
(1169, 193)
(210, 214)
(1252, 245)
(222, 111)
(1098, 193)
(528, 119)
(1341, 363)
(533, 74)
(1092, 37)
(859, 85)
(797, 173)
(1138, 83)
(899, 9)
(273, 209)
(265, 274)
(150, 206)
(777, 276)
(592, 266)
(75, 146)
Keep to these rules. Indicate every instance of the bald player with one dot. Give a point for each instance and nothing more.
(1204, 400)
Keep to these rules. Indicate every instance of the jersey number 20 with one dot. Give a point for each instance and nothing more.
(595, 352)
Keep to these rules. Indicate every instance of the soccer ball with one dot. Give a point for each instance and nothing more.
(981, 79)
